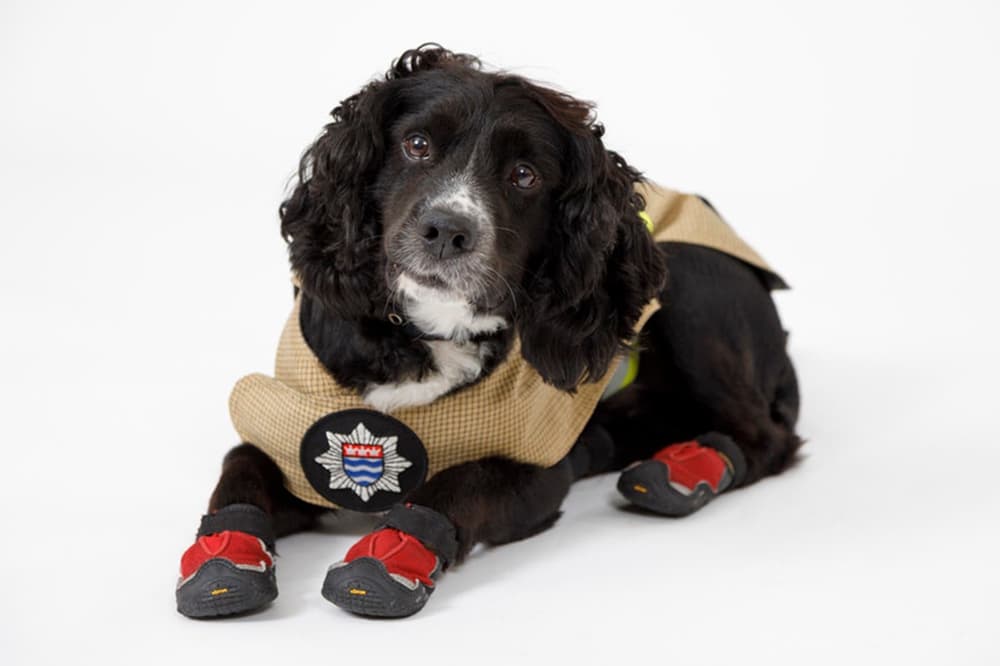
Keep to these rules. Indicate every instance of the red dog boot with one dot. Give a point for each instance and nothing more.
(228, 571)
(390, 572)
(681, 478)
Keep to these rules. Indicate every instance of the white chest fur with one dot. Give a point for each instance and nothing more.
(457, 361)
(456, 364)
(443, 314)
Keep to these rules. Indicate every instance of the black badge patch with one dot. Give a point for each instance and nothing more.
(362, 460)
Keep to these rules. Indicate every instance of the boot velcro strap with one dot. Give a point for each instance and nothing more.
(239, 518)
(433, 529)
(725, 445)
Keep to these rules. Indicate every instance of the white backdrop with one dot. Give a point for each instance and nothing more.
(144, 148)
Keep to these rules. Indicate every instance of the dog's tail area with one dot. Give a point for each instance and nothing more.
(785, 405)
(785, 414)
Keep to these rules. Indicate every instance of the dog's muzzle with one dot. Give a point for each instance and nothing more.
(446, 234)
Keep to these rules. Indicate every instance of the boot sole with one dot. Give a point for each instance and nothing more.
(364, 587)
(220, 588)
(647, 486)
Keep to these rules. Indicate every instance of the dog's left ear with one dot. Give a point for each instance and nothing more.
(600, 266)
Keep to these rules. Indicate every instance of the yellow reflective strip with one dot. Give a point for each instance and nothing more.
(646, 219)
(633, 370)
(356, 591)
(221, 590)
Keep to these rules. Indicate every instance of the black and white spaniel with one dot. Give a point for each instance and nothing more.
(444, 213)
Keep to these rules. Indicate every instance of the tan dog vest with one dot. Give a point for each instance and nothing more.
(510, 413)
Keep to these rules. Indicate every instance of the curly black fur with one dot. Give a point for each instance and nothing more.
(589, 294)
(583, 270)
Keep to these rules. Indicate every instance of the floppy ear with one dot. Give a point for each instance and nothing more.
(329, 222)
(600, 267)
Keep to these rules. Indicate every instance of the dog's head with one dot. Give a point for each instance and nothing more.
(445, 189)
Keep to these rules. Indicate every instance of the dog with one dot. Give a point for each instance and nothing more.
(469, 258)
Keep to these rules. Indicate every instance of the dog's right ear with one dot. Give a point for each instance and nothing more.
(329, 221)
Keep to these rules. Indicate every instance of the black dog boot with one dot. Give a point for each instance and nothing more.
(681, 478)
(391, 572)
(230, 567)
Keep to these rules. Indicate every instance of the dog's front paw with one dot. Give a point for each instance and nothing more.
(224, 574)
(388, 573)
(391, 572)
(230, 567)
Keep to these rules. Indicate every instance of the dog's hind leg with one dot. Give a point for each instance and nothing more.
(678, 453)
(230, 567)
(392, 571)
(716, 400)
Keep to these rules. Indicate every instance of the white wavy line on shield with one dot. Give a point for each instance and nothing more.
(359, 467)
(358, 478)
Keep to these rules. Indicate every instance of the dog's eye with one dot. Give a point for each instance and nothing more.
(417, 147)
(524, 177)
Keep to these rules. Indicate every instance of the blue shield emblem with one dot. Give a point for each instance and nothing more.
(352, 467)
(363, 463)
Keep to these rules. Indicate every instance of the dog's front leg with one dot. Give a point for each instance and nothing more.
(391, 572)
(230, 567)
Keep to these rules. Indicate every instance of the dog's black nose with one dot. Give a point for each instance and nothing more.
(447, 234)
